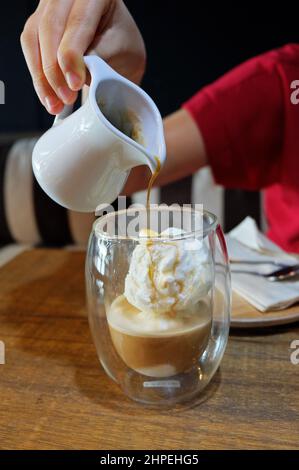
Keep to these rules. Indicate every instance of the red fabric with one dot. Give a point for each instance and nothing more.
(251, 131)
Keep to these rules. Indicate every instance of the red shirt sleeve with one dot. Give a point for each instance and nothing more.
(248, 122)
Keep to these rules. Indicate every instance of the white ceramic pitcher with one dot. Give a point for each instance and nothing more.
(84, 159)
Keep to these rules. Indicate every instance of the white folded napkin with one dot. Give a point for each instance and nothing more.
(246, 242)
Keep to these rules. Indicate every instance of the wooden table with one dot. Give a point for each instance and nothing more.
(54, 394)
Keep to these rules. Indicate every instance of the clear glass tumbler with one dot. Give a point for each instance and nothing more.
(159, 302)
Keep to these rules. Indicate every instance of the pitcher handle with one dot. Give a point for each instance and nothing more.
(99, 69)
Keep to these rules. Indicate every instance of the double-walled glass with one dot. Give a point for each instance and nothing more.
(169, 357)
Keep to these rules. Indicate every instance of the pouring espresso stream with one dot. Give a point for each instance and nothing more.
(152, 181)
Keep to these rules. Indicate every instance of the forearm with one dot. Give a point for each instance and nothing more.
(185, 153)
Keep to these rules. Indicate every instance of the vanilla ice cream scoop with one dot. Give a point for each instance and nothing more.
(169, 274)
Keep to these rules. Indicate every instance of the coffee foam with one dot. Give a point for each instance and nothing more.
(129, 320)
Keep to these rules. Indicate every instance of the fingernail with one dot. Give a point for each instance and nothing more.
(65, 94)
(51, 103)
(73, 81)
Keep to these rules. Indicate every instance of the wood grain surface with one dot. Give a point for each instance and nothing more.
(55, 395)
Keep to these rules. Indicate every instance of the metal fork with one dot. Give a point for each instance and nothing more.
(282, 274)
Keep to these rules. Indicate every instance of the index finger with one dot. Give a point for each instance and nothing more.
(83, 22)
(31, 50)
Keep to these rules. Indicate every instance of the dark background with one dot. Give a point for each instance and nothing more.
(189, 44)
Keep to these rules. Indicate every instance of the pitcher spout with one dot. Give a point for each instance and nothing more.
(129, 113)
(154, 162)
